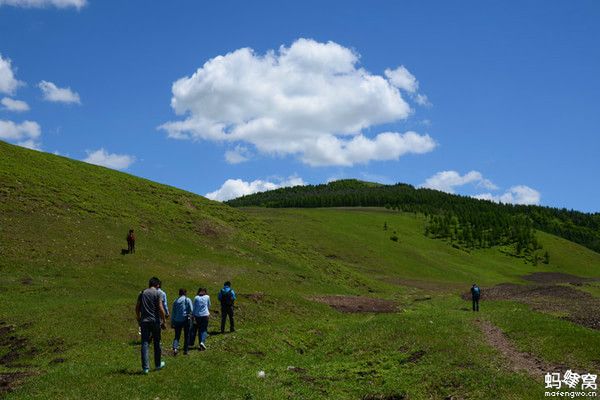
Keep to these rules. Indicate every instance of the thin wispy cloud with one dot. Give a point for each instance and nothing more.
(53, 93)
(14, 105)
(238, 155)
(44, 3)
(448, 181)
(110, 160)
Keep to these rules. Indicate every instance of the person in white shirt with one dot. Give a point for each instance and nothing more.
(201, 311)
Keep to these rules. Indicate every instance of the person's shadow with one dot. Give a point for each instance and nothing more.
(129, 372)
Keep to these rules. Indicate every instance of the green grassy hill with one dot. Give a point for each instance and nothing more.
(67, 327)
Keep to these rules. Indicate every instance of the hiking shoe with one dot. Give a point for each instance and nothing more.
(145, 371)
(162, 365)
(202, 346)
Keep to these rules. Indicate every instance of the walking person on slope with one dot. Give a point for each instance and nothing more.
(151, 317)
(201, 315)
(180, 320)
(227, 298)
(475, 295)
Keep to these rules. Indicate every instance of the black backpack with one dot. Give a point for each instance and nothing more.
(227, 298)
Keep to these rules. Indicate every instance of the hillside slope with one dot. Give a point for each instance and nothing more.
(475, 223)
(67, 328)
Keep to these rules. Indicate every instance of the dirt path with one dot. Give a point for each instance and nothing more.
(355, 304)
(516, 360)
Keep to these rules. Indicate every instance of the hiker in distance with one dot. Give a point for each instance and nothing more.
(181, 320)
(475, 295)
(227, 298)
(150, 314)
(131, 242)
(201, 315)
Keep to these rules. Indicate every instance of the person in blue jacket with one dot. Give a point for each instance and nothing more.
(201, 317)
(180, 320)
(475, 295)
(227, 299)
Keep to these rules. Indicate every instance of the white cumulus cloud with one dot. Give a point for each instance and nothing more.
(233, 188)
(54, 93)
(10, 130)
(8, 82)
(519, 194)
(110, 160)
(26, 133)
(311, 100)
(448, 181)
(44, 3)
(14, 105)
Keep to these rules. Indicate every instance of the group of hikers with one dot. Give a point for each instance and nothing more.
(188, 317)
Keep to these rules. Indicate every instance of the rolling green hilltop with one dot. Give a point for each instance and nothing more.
(67, 326)
(474, 223)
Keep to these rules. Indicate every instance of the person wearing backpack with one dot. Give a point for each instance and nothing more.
(227, 299)
(475, 295)
(180, 320)
(150, 315)
(201, 315)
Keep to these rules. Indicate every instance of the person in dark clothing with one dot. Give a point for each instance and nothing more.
(227, 299)
(151, 317)
(131, 242)
(475, 295)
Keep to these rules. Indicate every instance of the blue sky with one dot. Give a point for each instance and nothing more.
(506, 105)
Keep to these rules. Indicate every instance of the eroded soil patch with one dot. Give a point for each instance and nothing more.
(356, 304)
(15, 351)
(556, 277)
(10, 380)
(254, 297)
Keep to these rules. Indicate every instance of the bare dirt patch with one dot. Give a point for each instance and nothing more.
(556, 277)
(399, 396)
(573, 305)
(515, 360)
(428, 287)
(26, 281)
(10, 380)
(414, 357)
(356, 304)
(14, 350)
(254, 297)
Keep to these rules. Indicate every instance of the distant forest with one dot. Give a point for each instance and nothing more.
(462, 220)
